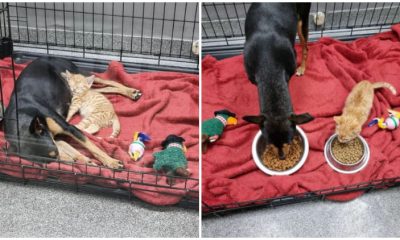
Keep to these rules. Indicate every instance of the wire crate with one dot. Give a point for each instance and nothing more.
(223, 36)
(223, 23)
(144, 36)
(160, 35)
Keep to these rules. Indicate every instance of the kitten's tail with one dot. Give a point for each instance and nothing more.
(116, 126)
(385, 85)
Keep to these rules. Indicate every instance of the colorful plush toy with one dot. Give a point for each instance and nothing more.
(172, 159)
(137, 147)
(211, 129)
(390, 123)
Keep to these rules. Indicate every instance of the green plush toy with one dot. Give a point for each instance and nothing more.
(211, 129)
(172, 159)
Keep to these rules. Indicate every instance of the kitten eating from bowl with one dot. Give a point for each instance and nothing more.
(357, 108)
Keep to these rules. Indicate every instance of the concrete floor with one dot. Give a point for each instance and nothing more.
(37, 211)
(376, 214)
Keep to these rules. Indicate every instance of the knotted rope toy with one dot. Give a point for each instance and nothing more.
(137, 147)
(211, 129)
(172, 159)
(390, 123)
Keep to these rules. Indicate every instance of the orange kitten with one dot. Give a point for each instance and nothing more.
(357, 108)
(96, 110)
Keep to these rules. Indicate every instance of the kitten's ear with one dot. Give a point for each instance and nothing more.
(90, 80)
(301, 118)
(64, 75)
(337, 119)
(254, 119)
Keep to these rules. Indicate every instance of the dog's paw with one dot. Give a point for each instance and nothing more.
(135, 94)
(115, 164)
(300, 71)
(85, 160)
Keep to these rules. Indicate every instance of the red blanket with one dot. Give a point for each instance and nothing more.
(334, 67)
(169, 105)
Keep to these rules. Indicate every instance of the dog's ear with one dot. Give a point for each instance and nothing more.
(90, 80)
(301, 118)
(38, 125)
(337, 119)
(254, 119)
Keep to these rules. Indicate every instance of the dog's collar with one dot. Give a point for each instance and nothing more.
(223, 120)
(177, 145)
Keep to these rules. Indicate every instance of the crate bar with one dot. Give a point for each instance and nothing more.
(183, 30)
(122, 32)
(133, 25)
(191, 54)
(142, 29)
(162, 32)
(173, 30)
(152, 28)
(83, 28)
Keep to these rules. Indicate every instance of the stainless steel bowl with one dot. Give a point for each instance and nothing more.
(346, 168)
(258, 148)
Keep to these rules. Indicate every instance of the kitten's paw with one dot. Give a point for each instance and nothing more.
(300, 71)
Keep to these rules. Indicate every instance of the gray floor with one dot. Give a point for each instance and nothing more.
(36, 211)
(376, 214)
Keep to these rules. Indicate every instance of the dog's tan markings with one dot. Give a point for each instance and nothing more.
(100, 155)
(108, 161)
(54, 127)
(117, 88)
(70, 154)
(303, 41)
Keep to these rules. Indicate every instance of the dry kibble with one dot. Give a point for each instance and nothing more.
(271, 159)
(347, 153)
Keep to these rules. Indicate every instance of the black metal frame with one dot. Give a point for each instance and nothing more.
(223, 209)
(190, 197)
(223, 36)
(223, 23)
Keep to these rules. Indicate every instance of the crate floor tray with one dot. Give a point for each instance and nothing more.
(230, 177)
(168, 106)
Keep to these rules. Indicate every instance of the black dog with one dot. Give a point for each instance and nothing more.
(270, 61)
(37, 110)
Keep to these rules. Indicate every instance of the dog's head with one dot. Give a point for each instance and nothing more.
(279, 131)
(35, 141)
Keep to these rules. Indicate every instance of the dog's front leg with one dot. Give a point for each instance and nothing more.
(57, 125)
(70, 154)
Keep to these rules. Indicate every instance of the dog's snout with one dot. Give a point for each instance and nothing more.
(282, 155)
